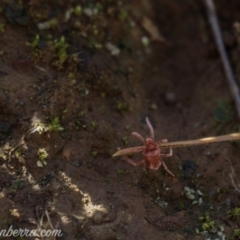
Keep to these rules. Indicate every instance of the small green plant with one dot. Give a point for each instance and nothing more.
(2, 27)
(77, 10)
(42, 155)
(127, 127)
(64, 111)
(35, 42)
(224, 112)
(20, 238)
(18, 184)
(207, 223)
(3, 221)
(80, 124)
(94, 153)
(122, 106)
(19, 156)
(125, 140)
(121, 171)
(234, 213)
(123, 15)
(71, 75)
(81, 114)
(61, 46)
(54, 125)
(235, 234)
(6, 91)
(93, 125)
(103, 94)
(181, 206)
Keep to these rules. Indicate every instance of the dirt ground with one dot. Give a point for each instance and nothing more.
(76, 78)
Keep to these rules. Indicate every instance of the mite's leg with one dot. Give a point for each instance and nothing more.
(162, 141)
(170, 150)
(138, 136)
(135, 164)
(167, 170)
(150, 128)
(167, 154)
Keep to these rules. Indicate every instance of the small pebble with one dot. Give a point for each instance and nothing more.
(192, 191)
(211, 193)
(113, 49)
(161, 202)
(39, 164)
(98, 217)
(228, 202)
(5, 128)
(200, 201)
(68, 14)
(77, 163)
(191, 197)
(47, 24)
(189, 168)
(145, 41)
(88, 12)
(194, 202)
(199, 192)
(21, 103)
(208, 153)
(153, 106)
(170, 97)
(221, 228)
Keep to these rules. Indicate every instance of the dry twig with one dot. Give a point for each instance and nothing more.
(214, 139)
(218, 37)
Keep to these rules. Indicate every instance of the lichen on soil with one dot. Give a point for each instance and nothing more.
(84, 75)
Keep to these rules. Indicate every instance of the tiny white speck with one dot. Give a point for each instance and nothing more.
(191, 197)
(113, 49)
(145, 41)
(200, 201)
(192, 191)
(199, 192)
(68, 14)
(221, 228)
(88, 12)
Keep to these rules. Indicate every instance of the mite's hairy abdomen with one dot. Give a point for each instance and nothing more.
(153, 162)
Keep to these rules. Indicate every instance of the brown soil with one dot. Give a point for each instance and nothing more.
(99, 99)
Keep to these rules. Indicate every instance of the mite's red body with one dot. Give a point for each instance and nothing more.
(151, 152)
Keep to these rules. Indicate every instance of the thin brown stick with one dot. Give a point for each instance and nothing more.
(226, 63)
(222, 138)
(126, 151)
